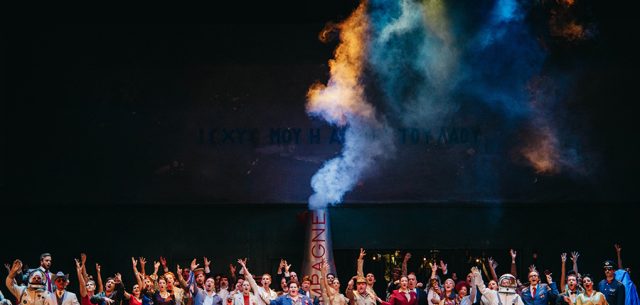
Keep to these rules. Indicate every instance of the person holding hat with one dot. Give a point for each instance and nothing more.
(361, 296)
(612, 289)
(63, 297)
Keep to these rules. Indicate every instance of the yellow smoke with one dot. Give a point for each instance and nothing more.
(343, 96)
(437, 21)
(542, 152)
(542, 148)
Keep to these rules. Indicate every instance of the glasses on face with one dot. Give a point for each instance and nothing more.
(608, 269)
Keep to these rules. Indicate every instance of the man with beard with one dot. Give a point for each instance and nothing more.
(35, 293)
(361, 296)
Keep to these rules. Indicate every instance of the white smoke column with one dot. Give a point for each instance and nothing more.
(342, 102)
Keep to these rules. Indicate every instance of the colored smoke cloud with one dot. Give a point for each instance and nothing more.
(342, 102)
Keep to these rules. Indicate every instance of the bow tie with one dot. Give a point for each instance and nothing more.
(572, 292)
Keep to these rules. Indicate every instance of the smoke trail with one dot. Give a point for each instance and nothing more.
(415, 59)
(342, 102)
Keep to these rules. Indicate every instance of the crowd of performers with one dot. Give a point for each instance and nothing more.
(195, 285)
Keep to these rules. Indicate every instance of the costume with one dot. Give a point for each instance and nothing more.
(544, 294)
(287, 300)
(596, 298)
(506, 294)
(35, 293)
(398, 297)
(614, 291)
(631, 294)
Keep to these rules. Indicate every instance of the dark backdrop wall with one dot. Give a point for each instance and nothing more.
(111, 234)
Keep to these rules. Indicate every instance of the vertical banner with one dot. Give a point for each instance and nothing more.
(318, 246)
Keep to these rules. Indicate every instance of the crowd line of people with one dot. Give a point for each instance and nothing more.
(196, 285)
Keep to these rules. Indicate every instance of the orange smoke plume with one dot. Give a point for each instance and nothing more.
(343, 96)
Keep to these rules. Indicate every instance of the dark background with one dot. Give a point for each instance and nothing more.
(95, 113)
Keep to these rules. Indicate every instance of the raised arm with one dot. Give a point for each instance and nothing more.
(137, 274)
(9, 282)
(514, 270)
(360, 269)
(407, 256)
(99, 276)
(252, 281)
(492, 266)
(81, 281)
(619, 253)
(574, 258)
(349, 291)
(183, 283)
(434, 270)
(83, 260)
(325, 289)
(563, 270)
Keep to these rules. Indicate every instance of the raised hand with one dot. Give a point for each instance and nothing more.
(362, 254)
(407, 257)
(16, 267)
(156, 265)
(532, 268)
(286, 266)
(97, 267)
(443, 266)
(118, 278)
(8, 267)
(134, 262)
(194, 265)
(206, 262)
(513, 254)
(492, 263)
(563, 257)
(574, 256)
(549, 280)
(163, 261)
(143, 261)
(243, 263)
(618, 247)
(232, 269)
(108, 300)
(179, 270)
(78, 266)
(434, 266)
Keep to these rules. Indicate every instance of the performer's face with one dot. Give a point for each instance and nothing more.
(412, 281)
(533, 278)
(45, 262)
(293, 289)
(463, 291)
(493, 285)
(404, 282)
(91, 286)
(361, 287)
(572, 282)
(370, 279)
(266, 280)
(587, 283)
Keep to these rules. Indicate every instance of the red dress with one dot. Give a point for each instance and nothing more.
(400, 298)
(134, 301)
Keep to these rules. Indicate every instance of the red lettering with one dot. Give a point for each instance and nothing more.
(319, 247)
(319, 233)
